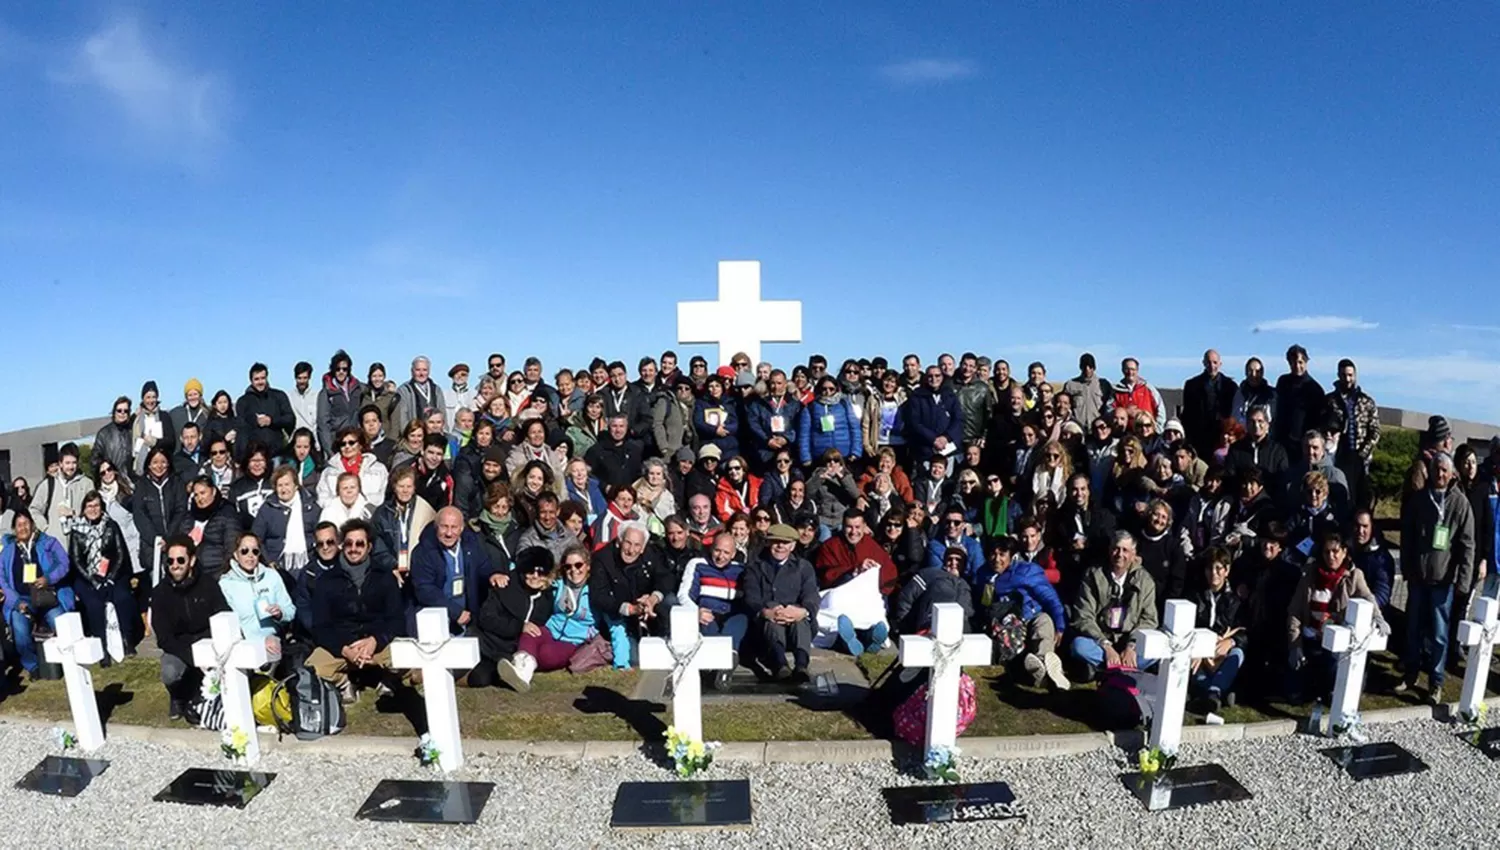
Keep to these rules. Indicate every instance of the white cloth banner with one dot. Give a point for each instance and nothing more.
(858, 599)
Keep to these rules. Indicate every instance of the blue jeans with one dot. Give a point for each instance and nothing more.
(1087, 650)
(733, 625)
(860, 641)
(1492, 583)
(619, 641)
(1428, 608)
(20, 626)
(1222, 679)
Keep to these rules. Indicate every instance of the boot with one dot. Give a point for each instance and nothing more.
(517, 671)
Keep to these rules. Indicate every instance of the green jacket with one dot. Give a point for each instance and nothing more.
(1090, 615)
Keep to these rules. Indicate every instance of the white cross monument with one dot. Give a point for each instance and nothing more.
(1478, 633)
(1174, 648)
(1352, 642)
(74, 652)
(739, 320)
(947, 652)
(435, 652)
(687, 655)
(228, 651)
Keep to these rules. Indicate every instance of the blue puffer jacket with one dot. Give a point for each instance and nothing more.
(814, 437)
(51, 563)
(937, 546)
(928, 415)
(759, 413)
(1028, 580)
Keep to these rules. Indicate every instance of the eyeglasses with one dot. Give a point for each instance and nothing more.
(249, 550)
(734, 467)
(177, 559)
(218, 453)
(574, 565)
(328, 543)
(355, 544)
(785, 460)
(347, 443)
(340, 369)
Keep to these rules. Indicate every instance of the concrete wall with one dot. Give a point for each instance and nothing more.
(25, 447)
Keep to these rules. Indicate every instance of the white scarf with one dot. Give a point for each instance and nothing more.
(294, 554)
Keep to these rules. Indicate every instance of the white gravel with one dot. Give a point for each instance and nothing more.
(1301, 800)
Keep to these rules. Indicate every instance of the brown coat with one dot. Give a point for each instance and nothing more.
(1353, 586)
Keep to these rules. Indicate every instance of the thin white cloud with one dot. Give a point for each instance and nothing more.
(178, 109)
(921, 72)
(1314, 325)
(1487, 329)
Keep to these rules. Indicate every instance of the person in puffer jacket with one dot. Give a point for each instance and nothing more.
(828, 422)
(913, 611)
(934, 423)
(257, 596)
(1039, 607)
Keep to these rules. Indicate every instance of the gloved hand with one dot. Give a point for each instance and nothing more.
(1294, 659)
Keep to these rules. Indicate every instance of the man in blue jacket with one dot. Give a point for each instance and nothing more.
(1022, 586)
(357, 612)
(934, 423)
(953, 532)
(450, 569)
(773, 420)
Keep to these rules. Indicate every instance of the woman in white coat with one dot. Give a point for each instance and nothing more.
(353, 458)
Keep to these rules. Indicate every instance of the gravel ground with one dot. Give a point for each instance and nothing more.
(1301, 799)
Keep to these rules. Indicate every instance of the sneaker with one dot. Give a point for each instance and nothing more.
(510, 676)
(1404, 685)
(174, 710)
(879, 636)
(1054, 667)
(1035, 667)
(1435, 696)
(1213, 702)
(191, 714)
(348, 694)
(782, 673)
(1230, 699)
(722, 679)
(382, 689)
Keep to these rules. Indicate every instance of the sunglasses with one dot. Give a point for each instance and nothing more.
(734, 468)
(121, 410)
(1053, 456)
(516, 382)
(347, 443)
(325, 544)
(761, 519)
(356, 544)
(341, 369)
(218, 453)
(177, 559)
(785, 460)
(574, 565)
(537, 571)
(955, 522)
(249, 550)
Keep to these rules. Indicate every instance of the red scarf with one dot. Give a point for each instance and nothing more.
(351, 465)
(1325, 582)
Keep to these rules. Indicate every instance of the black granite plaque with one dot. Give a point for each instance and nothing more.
(201, 787)
(1373, 761)
(408, 801)
(1185, 786)
(62, 776)
(1487, 741)
(916, 804)
(682, 805)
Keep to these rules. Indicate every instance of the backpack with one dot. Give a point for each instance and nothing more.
(1007, 631)
(910, 718)
(315, 709)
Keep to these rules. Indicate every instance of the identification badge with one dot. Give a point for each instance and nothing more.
(263, 607)
(103, 566)
(403, 561)
(197, 535)
(825, 422)
(458, 587)
(1305, 547)
(1115, 617)
(1441, 536)
(778, 424)
(28, 573)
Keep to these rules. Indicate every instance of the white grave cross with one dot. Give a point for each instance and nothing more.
(739, 320)
(435, 653)
(1174, 647)
(1479, 633)
(687, 655)
(1352, 642)
(231, 654)
(74, 652)
(947, 652)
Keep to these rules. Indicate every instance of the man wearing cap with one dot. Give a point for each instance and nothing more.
(782, 590)
(617, 457)
(192, 408)
(461, 396)
(418, 395)
(1207, 400)
(1090, 393)
(1437, 561)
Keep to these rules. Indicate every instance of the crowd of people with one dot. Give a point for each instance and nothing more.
(558, 522)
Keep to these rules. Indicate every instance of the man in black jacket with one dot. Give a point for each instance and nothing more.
(621, 398)
(781, 590)
(266, 412)
(180, 610)
(628, 584)
(616, 459)
(1207, 400)
(1084, 530)
(357, 611)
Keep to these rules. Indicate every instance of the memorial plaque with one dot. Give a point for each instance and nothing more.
(201, 787)
(1373, 761)
(407, 801)
(62, 776)
(1486, 741)
(682, 805)
(1181, 787)
(916, 804)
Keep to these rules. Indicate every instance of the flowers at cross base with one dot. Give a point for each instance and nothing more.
(1155, 760)
(427, 751)
(690, 755)
(942, 763)
(1353, 728)
(63, 739)
(232, 743)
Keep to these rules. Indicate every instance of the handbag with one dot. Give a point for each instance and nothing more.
(591, 655)
(43, 598)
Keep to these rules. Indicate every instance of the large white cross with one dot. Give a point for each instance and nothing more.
(74, 652)
(1353, 642)
(435, 652)
(226, 645)
(1174, 647)
(948, 651)
(1480, 634)
(739, 320)
(687, 656)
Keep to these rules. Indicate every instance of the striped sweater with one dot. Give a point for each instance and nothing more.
(709, 587)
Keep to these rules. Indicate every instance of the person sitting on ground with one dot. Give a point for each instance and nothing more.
(1021, 588)
(840, 559)
(630, 587)
(181, 606)
(521, 608)
(782, 590)
(1374, 559)
(1114, 601)
(451, 569)
(712, 584)
(1220, 610)
(325, 557)
(34, 575)
(257, 596)
(738, 492)
(574, 622)
(912, 613)
(101, 574)
(400, 520)
(832, 491)
(1329, 581)
(620, 511)
(497, 528)
(357, 611)
(212, 523)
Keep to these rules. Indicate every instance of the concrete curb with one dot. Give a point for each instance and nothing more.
(757, 752)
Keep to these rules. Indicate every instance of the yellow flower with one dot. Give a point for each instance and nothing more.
(695, 749)
(239, 739)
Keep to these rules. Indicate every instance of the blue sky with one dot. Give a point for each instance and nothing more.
(185, 189)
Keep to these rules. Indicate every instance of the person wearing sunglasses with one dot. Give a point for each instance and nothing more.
(353, 457)
(572, 625)
(828, 422)
(519, 609)
(113, 442)
(181, 606)
(338, 399)
(953, 533)
(326, 548)
(220, 468)
(257, 596)
(358, 609)
(738, 490)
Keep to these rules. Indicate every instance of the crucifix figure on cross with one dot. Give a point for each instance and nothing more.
(435, 652)
(1352, 642)
(687, 655)
(75, 652)
(739, 321)
(1174, 647)
(1478, 633)
(227, 654)
(947, 652)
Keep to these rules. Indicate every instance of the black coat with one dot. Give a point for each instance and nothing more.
(158, 512)
(1484, 523)
(612, 583)
(180, 613)
(113, 547)
(1299, 407)
(247, 495)
(274, 404)
(505, 612)
(343, 613)
(1205, 404)
(112, 443)
(616, 463)
(273, 519)
(636, 407)
(502, 549)
(220, 526)
(1166, 562)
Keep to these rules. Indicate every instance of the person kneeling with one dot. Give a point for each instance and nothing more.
(357, 611)
(33, 570)
(1021, 589)
(181, 607)
(257, 596)
(520, 608)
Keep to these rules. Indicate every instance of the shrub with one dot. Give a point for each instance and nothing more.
(1392, 459)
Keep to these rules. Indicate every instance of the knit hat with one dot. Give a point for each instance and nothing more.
(192, 384)
(1437, 428)
(782, 532)
(1087, 361)
(148, 387)
(1174, 425)
(684, 453)
(710, 450)
(805, 521)
(495, 453)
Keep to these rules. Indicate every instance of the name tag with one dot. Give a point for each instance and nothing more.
(778, 424)
(458, 587)
(1115, 617)
(1305, 547)
(1441, 536)
(825, 422)
(263, 607)
(103, 566)
(28, 573)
